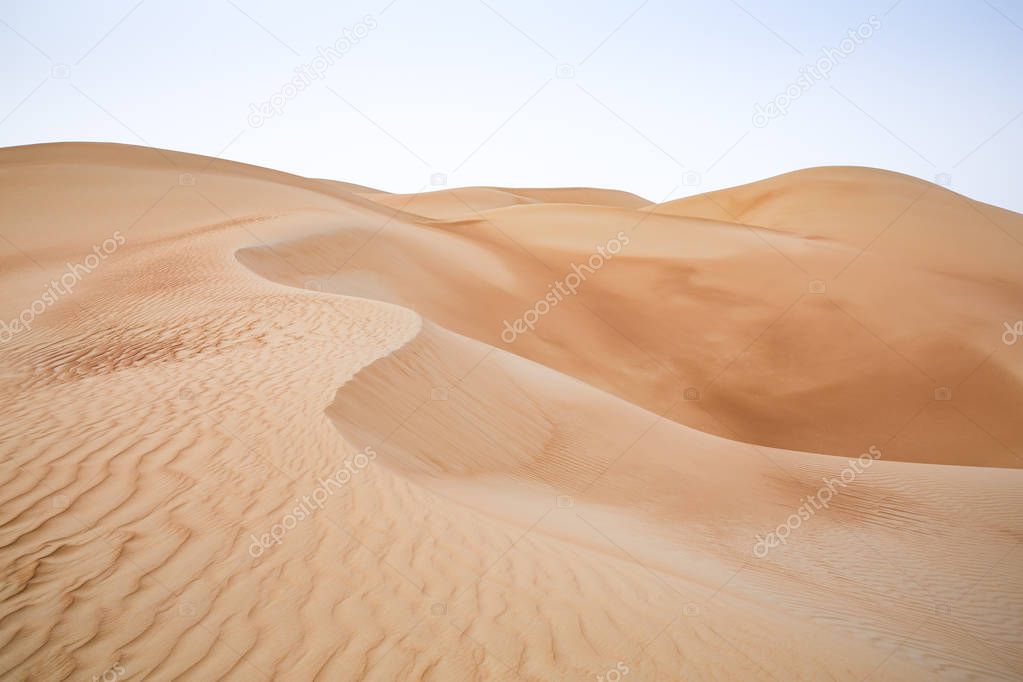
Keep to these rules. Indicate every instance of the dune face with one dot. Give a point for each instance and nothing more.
(257, 426)
(830, 311)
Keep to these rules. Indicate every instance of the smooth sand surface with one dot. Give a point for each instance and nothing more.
(584, 500)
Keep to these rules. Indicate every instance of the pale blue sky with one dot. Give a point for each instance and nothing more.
(661, 105)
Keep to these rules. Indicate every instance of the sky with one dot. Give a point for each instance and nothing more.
(664, 98)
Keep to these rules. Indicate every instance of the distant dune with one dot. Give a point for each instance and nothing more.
(259, 426)
(916, 283)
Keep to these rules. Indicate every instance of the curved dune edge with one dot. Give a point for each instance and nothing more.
(489, 433)
(168, 414)
(723, 310)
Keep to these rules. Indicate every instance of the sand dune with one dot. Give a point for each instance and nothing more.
(469, 201)
(731, 310)
(279, 430)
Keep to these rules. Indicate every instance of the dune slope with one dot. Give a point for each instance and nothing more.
(826, 326)
(276, 433)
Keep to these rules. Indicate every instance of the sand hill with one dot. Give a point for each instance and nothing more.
(258, 426)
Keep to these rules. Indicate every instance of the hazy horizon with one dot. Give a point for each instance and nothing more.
(660, 100)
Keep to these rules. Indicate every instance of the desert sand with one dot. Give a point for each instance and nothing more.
(279, 430)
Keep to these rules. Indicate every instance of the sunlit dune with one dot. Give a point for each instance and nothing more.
(299, 429)
(795, 327)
